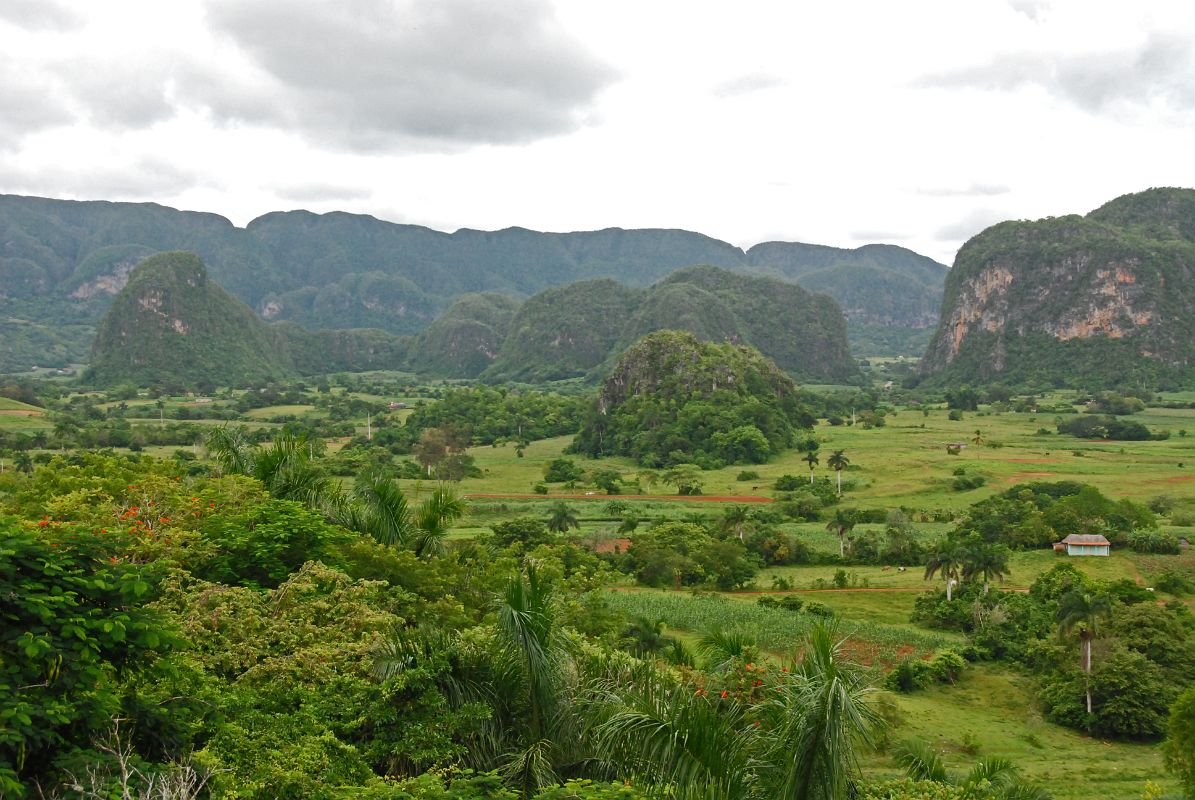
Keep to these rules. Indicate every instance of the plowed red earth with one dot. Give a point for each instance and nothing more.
(683, 498)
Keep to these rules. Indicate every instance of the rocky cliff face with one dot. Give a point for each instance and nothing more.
(1100, 299)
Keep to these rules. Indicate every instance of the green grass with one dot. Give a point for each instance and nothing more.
(8, 404)
(278, 411)
(18, 417)
(996, 708)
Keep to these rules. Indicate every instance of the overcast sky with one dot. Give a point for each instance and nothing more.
(843, 123)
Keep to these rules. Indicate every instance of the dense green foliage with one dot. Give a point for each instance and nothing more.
(582, 328)
(172, 628)
(1038, 514)
(673, 399)
(1096, 301)
(1179, 746)
(171, 324)
(484, 415)
(1108, 645)
(1091, 426)
(466, 338)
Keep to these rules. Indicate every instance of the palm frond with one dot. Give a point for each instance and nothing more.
(720, 650)
(434, 518)
(992, 771)
(382, 510)
(920, 761)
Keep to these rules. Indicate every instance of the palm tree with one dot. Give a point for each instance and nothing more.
(843, 523)
(433, 519)
(977, 439)
(735, 518)
(812, 460)
(684, 744)
(529, 641)
(821, 721)
(561, 518)
(1082, 611)
(990, 777)
(378, 507)
(698, 746)
(721, 650)
(947, 558)
(985, 560)
(646, 636)
(23, 462)
(286, 467)
(838, 462)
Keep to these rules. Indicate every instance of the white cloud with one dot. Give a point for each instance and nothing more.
(753, 122)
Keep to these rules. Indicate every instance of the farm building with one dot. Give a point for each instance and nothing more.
(1084, 544)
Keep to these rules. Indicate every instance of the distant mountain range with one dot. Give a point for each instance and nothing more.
(1099, 300)
(62, 262)
(172, 324)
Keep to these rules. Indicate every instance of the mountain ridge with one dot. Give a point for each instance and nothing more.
(66, 259)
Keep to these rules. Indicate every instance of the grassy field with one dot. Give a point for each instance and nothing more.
(991, 711)
(18, 417)
(905, 463)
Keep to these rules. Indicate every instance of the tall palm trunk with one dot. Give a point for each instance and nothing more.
(1087, 669)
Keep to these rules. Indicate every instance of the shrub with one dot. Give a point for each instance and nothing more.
(748, 475)
(1154, 542)
(1174, 583)
(789, 483)
(819, 609)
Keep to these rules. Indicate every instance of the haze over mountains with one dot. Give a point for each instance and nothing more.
(61, 263)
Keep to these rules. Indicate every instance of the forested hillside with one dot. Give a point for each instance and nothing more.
(64, 261)
(1093, 301)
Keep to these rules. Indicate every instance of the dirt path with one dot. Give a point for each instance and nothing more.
(671, 498)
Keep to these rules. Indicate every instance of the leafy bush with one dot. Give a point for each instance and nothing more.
(1175, 583)
(818, 609)
(562, 470)
(1154, 541)
(789, 483)
(789, 602)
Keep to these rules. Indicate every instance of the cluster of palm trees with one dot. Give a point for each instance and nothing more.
(558, 710)
(289, 469)
(837, 462)
(965, 559)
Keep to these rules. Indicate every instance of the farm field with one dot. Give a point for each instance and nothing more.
(906, 464)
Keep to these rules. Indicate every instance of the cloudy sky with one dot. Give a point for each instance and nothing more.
(917, 123)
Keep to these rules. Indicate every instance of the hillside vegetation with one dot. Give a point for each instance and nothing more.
(64, 261)
(673, 399)
(173, 325)
(1096, 301)
(582, 328)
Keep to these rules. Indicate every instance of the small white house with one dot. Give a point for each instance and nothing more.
(1085, 544)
